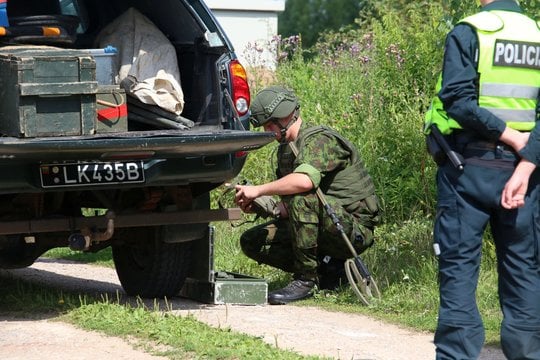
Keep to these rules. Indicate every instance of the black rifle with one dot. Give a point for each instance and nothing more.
(455, 158)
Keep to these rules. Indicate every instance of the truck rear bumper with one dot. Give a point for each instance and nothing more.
(169, 158)
(132, 145)
(72, 224)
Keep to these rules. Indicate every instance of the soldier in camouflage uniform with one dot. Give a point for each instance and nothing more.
(303, 238)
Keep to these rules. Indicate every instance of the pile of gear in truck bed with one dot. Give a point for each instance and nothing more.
(50, 88)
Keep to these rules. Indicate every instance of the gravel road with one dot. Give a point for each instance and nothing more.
(306, 330)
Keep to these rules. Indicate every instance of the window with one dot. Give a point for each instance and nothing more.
(75, 8)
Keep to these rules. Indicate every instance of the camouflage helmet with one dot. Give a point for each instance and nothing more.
(272, 103)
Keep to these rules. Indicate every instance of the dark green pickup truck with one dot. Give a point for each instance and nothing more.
(151, 176)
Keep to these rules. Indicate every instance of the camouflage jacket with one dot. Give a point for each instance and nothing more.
(331, 162)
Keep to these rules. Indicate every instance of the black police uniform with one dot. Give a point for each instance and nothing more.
(468, 200)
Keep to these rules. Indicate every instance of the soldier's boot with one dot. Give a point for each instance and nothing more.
(296, 290)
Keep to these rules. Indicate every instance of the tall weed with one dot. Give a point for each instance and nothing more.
(373, 85)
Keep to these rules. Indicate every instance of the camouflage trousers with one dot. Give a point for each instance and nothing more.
(295, 244)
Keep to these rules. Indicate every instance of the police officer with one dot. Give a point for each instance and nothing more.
(487, 104)
(303, 238)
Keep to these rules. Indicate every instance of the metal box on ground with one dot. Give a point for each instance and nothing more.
(111, 110)
(46, 92)
(227, 288)
(221, 287)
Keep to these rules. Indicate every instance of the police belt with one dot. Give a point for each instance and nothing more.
(463, 141)
(489, 154)
(486, 145)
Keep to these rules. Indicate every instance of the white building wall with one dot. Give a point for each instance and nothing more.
(249, 24)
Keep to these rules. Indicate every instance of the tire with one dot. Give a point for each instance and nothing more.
(16, 254)
(150, 268)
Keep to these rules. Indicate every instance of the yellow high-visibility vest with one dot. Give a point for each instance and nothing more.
(508, 67)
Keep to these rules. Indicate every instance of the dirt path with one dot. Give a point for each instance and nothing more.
(306, 330)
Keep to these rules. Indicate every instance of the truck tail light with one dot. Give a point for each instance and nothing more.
(240, 87)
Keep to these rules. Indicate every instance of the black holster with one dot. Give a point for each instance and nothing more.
(435, 150)
(439, 145)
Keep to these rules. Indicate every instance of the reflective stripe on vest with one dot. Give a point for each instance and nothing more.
(513, 91)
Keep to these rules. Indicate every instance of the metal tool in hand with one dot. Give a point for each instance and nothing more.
(360, 279)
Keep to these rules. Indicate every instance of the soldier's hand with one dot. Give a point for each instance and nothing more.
(282, 210)
(245, 194)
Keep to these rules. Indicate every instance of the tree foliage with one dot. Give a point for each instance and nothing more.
(313, 18)
(310, 18)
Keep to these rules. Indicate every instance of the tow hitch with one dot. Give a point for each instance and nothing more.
(81, 241)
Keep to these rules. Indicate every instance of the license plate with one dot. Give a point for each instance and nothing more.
(95, 173)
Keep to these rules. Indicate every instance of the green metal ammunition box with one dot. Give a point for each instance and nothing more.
(220, 287)
(47, 92)
(227, 288)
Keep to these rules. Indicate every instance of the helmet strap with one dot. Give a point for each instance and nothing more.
(283, 129)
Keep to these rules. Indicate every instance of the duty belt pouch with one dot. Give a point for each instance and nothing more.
(435, 150)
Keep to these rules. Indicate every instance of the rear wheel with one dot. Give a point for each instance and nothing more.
(16, 253)
(149, 267)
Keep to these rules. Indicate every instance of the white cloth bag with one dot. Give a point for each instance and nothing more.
(147, 62)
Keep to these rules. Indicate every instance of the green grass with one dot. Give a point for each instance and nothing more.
(183, 337)
(102, 258)
(24, 299)
(150, 329)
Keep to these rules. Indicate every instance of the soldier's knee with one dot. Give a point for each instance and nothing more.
(244, 242)
(247, 243)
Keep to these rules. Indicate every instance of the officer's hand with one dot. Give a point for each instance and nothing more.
(516, 139)
(513, 195)
(522, 140)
